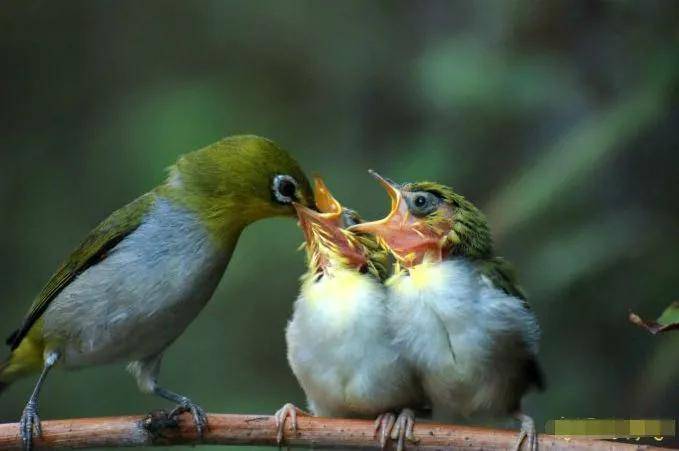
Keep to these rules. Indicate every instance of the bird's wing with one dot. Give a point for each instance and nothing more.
(502, 275)
(91, 251)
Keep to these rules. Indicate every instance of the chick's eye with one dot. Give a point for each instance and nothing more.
(423, 203)
(284, 189)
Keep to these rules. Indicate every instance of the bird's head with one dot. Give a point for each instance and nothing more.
(329, 244)
(427, 222)
(239, 180)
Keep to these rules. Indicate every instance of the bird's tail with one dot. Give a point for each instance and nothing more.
(25, 359)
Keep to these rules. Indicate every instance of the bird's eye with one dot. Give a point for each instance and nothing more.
(284, 189)
(422, 203)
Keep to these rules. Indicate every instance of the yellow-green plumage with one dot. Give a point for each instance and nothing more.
(183, 230)
(223, 187)
(27, 343)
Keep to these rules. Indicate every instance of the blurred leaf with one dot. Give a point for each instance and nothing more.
(669, 320)
(593, 246)
(580, 152)
(470, 72)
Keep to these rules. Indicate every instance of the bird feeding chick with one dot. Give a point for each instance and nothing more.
(142, 275)
(456, 311)
(339, 345)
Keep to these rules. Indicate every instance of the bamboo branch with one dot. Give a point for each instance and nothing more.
(158, 430)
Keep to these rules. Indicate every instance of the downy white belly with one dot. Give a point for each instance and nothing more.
(468, 339)
(340, 350)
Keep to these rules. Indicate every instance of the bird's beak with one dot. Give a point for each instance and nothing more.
(325, 201)
(325, 226)
(395, 215)
(312, 221)
(328, 217)
(408, 237)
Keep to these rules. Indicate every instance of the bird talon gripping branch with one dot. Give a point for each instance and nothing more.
(404, 429)
(291, 411)
(30, 425)
(142, 275)
(456, 311)
(338, 340)
(197, 413)
(384, 424)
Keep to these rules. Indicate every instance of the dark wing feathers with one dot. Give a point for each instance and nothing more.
(102, 239)
(502, 274)
(12, 337)
(534, 374)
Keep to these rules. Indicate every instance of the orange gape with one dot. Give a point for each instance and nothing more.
(326, 226)
(410, 239)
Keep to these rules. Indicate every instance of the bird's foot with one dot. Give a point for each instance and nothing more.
(384, 423)
(288, 410)
(197, 412)
(403, 429)
(527, 433)
(29, 426)
(158, 421)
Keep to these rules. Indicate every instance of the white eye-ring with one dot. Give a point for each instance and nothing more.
(284, 189)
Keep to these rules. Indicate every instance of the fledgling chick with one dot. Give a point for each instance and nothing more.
(339, 346)
(456, 310)
(142, 275)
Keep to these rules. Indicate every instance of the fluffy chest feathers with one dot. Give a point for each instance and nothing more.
(340, 350)
(469, 340)
(142, 295)
(339, 301)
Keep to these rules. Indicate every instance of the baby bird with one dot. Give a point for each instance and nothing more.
(455, 309)
(339, 347)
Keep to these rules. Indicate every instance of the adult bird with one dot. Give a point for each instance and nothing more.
(455, 309)
(339, 346)
(142, 275)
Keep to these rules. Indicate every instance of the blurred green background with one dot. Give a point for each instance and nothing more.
(560, 119)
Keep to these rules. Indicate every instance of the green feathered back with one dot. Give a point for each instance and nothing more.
(502, 274)
(92, 250)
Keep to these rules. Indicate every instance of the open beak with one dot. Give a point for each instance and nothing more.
(408, 237)
(325, 201)
(325, 226)
(392, 223)
(392, 229)
(324, 222)
(327, 219)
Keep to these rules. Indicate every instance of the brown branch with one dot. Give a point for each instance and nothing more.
(129, 431)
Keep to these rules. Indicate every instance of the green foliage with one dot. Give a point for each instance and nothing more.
(558, 119)
(669, 320)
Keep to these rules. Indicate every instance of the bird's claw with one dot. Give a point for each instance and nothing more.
(282, 414)
(404, 429)
(527, 433)
(30, 425)
(197, 412)
(384, 424)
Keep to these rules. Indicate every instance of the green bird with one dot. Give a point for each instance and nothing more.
(142, 275)
(455, 309)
